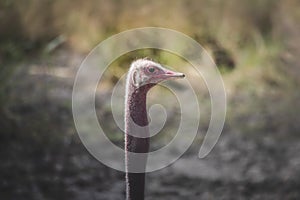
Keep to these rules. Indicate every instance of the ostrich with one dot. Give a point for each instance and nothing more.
(142, 76)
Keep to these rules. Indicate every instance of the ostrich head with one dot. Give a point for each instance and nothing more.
(146, 72)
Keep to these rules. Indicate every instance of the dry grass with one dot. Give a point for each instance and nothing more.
(260, 37)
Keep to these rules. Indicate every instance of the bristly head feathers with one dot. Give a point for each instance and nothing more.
(145, 71)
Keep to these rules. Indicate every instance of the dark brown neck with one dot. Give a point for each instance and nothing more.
(135, 113)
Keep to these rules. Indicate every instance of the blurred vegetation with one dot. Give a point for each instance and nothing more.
(252, 42)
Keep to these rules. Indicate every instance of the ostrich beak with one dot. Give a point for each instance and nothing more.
(172, 74)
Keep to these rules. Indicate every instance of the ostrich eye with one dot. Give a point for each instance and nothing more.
(151, 69)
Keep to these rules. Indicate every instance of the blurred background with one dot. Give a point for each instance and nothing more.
(255, 44)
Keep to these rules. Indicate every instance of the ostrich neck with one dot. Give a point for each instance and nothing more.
(137, 107)
(135, 112)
